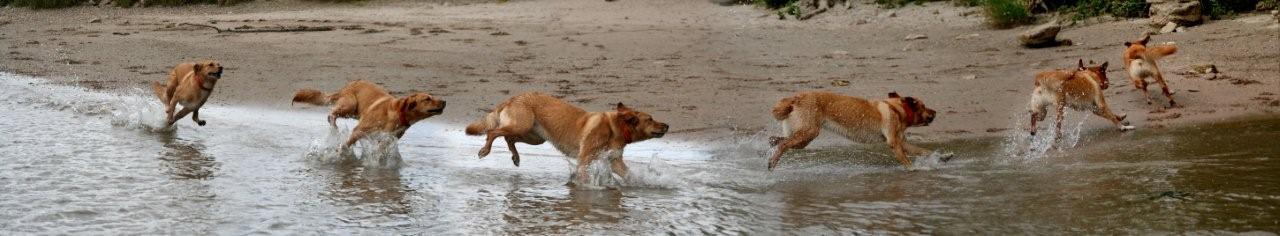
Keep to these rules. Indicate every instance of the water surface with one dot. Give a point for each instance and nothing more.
(75, 161)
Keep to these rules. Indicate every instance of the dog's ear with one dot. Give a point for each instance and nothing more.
(621, 107)
(1104, 65)
(409, 104)
(1080, 65)
(910, 101)
(1126, 44)
(197, 67)
(894, 95)
(628, 118)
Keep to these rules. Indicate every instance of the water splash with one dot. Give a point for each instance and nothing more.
(377, 150)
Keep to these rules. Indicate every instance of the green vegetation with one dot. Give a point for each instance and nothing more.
(1119, 8)
(46, 4)
(1007, 13)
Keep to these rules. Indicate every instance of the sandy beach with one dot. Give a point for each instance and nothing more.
(710, 71)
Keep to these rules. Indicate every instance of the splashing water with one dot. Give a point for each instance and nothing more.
(377, 150)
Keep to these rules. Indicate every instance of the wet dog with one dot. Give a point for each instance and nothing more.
(859, 120)
(373, 107)
(1140, 62)
(1080, 89)
(190, 85)
(534, 118)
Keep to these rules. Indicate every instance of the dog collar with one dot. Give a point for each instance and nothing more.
(908, 114)
(403, 120)
(200, 82)
(626, 133)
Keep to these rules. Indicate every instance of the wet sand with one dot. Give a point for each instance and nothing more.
(710, 71)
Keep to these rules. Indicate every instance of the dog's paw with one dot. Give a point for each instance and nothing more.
(1126, 128)
(201, 123)
(483, 153)
(515, 160)
(775, 140)
(946, 157)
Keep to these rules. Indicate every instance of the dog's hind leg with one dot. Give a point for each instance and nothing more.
(1037, 109)
(180, 115)
(798, 139)
(511, 121)
(343, 107)
(1164, 87)
(1059, 105)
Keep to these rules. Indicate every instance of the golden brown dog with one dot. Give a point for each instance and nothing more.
(189, 84)
(373, 107)
(857, 119)
(534, 118)
(1140, 62)
(1080, 89)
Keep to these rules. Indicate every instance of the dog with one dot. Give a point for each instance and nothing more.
(804, 115)
(374, 108)
(1140, 62)
(190, 85)
(535, 118)
(1080, 89)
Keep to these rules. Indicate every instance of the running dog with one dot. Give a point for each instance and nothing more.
(535, 118)
(373, 107)
(859, 120)
(189, 84)
(1140, 62)
(1080, 89)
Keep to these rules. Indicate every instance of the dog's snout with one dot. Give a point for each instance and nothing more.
(443, 103)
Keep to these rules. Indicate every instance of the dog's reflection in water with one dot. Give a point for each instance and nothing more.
(538, 211)
(184, 159)
(376, 190)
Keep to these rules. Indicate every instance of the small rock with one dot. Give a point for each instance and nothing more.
(1182, 12)
(1039, 36)
(967, 36)
(970, 77)
(935, 11)
(840, 83)
(1265, 5)
(893, 14)
(861, 22)
(915, 36)
(1169, 28)
(95, 20)
(840, 52)
(1180, 29)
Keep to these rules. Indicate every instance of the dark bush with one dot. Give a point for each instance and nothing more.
(46, 4)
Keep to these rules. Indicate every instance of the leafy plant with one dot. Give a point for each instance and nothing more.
(1007, 13)
(1119, 8)
(46, 4)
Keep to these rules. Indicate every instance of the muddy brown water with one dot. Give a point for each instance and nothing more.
(83, 162)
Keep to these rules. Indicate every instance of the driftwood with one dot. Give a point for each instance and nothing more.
(246, 29)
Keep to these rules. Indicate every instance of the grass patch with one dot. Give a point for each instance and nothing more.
(1118, 8)
(47, 4)
(1005, 14)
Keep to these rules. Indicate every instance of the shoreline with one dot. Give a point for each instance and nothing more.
(710, 71)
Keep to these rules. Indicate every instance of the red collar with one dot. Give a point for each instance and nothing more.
(909, 115)
(200, 82)
(403, 120)
(626, 132)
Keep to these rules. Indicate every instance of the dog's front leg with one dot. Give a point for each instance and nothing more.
(515, 155)
(1059, 105)
(619, 167)
(894, 136)
(356, 134)
(195, 116)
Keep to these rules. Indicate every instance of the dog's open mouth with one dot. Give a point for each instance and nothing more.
(436, 111)
(216, 75)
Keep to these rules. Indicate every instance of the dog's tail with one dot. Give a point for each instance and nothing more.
(313, 97)
(782, 110)
(489, 121)
(160, 91)
(1157, 52)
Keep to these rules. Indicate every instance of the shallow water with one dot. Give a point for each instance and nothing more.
(74, 161)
